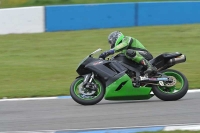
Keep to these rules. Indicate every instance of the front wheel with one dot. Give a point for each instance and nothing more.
(174, 90)
(87, 96)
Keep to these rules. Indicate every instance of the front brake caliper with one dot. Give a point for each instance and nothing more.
(91, 86)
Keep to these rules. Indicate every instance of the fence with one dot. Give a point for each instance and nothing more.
(22, 20)
(94, 16)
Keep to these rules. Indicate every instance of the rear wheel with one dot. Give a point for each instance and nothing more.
(87, 96)
(174, 90)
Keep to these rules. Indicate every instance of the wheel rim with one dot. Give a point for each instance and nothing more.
(78, 94)
(177, 87)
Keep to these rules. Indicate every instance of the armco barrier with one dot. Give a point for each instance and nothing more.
(95, 16)
(92, 16)
(22, 20)
(89, 16)
(167, 13)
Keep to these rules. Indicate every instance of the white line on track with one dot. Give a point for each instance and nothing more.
(170, 127)
(26, 99)
(184, 127)
(64, 97)
(105, 128)
(193, 91)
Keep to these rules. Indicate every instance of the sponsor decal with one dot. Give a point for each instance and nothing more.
(163, 79)
(97, 63)
(152, 78)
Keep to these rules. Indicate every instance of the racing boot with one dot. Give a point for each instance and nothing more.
(150, 69)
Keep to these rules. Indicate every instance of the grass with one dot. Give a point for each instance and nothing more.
(24, 3)
(44, 64)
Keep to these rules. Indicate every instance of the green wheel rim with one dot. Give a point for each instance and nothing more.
(80, 81)
(177, 87)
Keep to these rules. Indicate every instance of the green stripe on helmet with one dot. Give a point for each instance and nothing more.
(119, 39)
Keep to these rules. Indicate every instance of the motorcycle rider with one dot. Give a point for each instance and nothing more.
(132, 48)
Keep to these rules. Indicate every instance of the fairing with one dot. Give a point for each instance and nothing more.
(122, 89)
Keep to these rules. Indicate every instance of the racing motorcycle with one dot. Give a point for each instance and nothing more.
(119, 78)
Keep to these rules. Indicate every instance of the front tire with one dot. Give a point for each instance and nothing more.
(175, 92)
(86, 99)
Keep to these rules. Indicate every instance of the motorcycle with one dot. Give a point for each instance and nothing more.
(119, 78)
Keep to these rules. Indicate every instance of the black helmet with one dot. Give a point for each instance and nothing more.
(115, 38)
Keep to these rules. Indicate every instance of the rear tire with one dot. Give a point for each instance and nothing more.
(170, 96)
(76, 96)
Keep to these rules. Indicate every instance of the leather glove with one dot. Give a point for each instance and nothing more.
(103, 55)
(106, 53)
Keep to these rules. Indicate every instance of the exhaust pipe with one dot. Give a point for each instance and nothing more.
(177, 60)
(173, 61)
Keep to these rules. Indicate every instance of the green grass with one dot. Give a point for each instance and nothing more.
(44, 64)
(22, 3)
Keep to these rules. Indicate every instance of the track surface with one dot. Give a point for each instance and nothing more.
(61, 114)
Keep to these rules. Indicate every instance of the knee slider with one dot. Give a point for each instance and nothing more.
(131, 53)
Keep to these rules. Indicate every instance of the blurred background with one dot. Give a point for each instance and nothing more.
(42, 46)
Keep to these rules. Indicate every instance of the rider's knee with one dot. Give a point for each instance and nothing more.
(131, 53)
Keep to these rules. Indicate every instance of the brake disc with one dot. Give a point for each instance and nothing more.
(85, 91)
(172, 82)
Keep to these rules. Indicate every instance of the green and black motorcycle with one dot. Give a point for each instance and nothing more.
(119, 78)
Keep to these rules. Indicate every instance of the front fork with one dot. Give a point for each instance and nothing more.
(87, 83)
(88, 78)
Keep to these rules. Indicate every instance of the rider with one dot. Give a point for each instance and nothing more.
(132, 49)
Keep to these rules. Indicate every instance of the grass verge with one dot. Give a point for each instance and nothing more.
(44, 64)
(24, 3)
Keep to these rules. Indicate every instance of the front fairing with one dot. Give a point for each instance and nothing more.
(81, 70)
(82, 62)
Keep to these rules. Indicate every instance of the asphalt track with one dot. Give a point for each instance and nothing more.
(65, 114)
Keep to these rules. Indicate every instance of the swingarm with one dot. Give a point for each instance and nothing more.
(163, 81)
